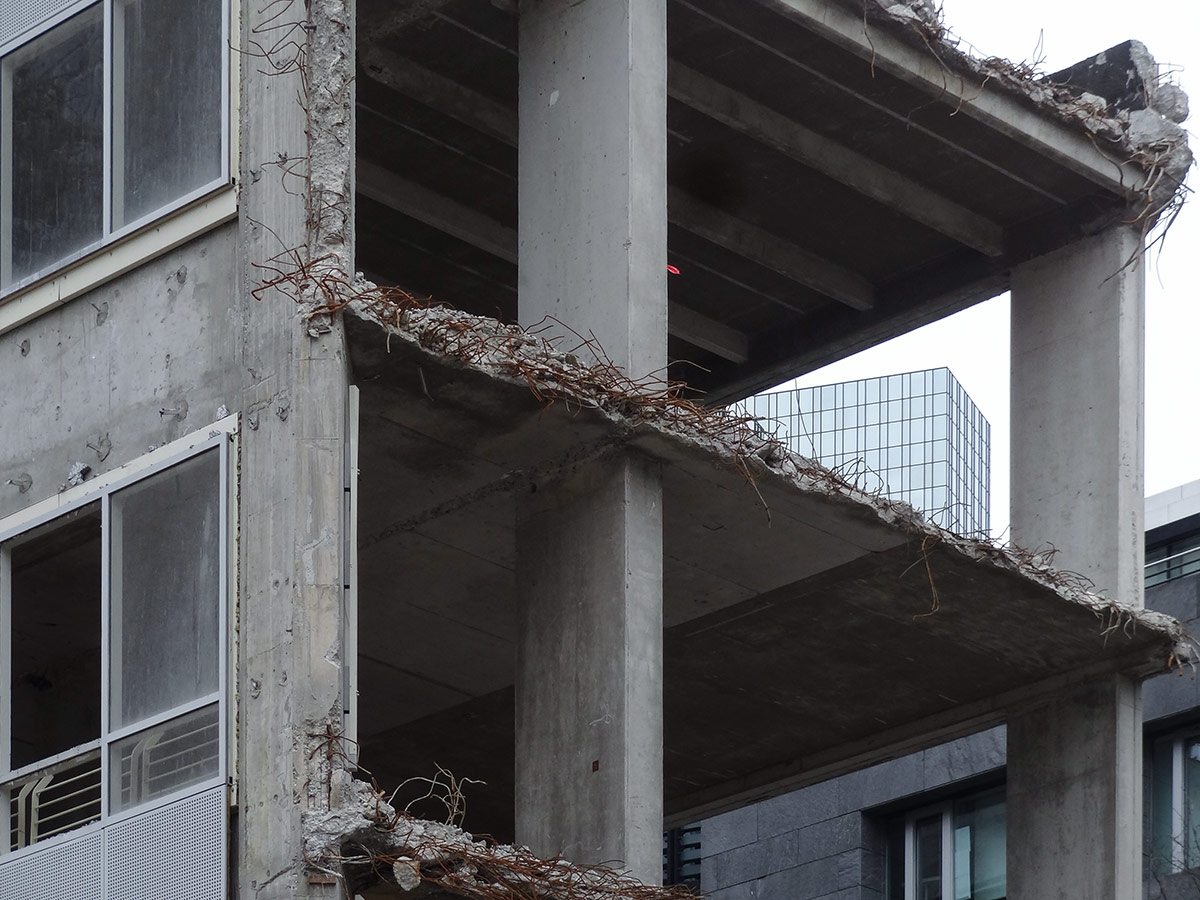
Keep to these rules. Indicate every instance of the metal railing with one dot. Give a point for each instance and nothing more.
(50, 801)
(1185, 562)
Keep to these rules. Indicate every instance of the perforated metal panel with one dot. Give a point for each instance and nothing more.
(18, 15)
(67, 871)
(172, 852)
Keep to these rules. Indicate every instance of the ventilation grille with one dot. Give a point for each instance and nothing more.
(18, 15)
(175, 851)
(69, 871)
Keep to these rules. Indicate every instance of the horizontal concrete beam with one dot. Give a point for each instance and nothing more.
(438, 92)
(923, 69)
(484, 233)
(881, 184)
(886, 744)
(769, 250)
(484, 114)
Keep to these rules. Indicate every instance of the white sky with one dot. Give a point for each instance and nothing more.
(974, 343)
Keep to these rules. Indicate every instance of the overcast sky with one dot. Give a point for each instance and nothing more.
(974, 343)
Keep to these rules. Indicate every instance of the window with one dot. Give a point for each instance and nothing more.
(949, 851)
(112, 112)
(111, 647)
(1173, 803)
(1172, 560)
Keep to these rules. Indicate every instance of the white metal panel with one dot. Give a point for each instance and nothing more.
(63, 871)
(173, 851)
(18, 15)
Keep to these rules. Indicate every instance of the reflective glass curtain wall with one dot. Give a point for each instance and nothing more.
(915, 437)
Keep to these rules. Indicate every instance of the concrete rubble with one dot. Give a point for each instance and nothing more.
(1118, 95)
(363, 841)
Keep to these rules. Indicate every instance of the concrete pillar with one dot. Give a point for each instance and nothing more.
(593, 175)
(1075, 760)
(291, 471)
(589, 667)
(1078, 334)
(593, 257)
(1075, 795)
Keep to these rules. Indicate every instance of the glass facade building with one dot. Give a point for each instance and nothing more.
(915, 437)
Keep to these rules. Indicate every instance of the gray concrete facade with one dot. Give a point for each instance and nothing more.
(545, 125)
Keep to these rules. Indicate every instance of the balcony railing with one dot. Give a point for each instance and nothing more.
(53, 800)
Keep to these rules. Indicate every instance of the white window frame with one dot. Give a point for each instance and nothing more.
(944, 809)
(221, 437)
(112, 9)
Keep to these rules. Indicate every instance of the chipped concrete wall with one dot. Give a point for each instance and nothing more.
(102, 369)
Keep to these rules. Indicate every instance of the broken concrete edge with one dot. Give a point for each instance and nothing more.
(509, 353)
(1147, 134)
(360, 839)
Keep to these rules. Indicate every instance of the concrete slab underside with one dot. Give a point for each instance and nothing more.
(778, 628)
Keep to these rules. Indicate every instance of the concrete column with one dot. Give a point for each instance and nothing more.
(593, 175)
(593, 256)
(1078, 334)
(295, 377)
(1075, 795)
(1075, 762)
(589, 667)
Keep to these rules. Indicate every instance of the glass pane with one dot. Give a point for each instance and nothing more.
(979, 847)
(1162, 817)
(56, 639)
(165, 590)
(1191, 803)
(57, 120)
(166, 102)
(927, 839)
(161, 760)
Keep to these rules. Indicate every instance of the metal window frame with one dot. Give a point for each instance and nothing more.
(109, 234)
(221, 437)
(944, 809)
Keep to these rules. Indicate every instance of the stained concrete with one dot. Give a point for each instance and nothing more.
(1078, 380)
(103, 368)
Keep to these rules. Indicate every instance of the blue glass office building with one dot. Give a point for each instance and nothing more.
(916, 437)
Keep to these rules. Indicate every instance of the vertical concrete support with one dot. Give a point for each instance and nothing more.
(1078, 334)
(295, 166)
(593, 242)
(589, 667)
(1075, 795)
(593, 174)
(1074, 763)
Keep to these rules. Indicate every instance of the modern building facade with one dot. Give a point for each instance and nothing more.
(266, 526)
(915, 436)
(933, 824)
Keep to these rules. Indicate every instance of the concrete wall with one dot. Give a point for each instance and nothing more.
(106, 363)
(819, 844)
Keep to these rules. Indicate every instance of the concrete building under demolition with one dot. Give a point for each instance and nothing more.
(265, 523)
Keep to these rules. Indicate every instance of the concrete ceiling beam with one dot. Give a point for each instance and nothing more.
(484, 233)
(769, 250)
(447, 96)
(878, 182)
(923, 69)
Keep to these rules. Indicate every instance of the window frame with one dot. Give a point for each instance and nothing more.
(1177, 742)
(944, 809)
(221, 438)
(110, 235)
